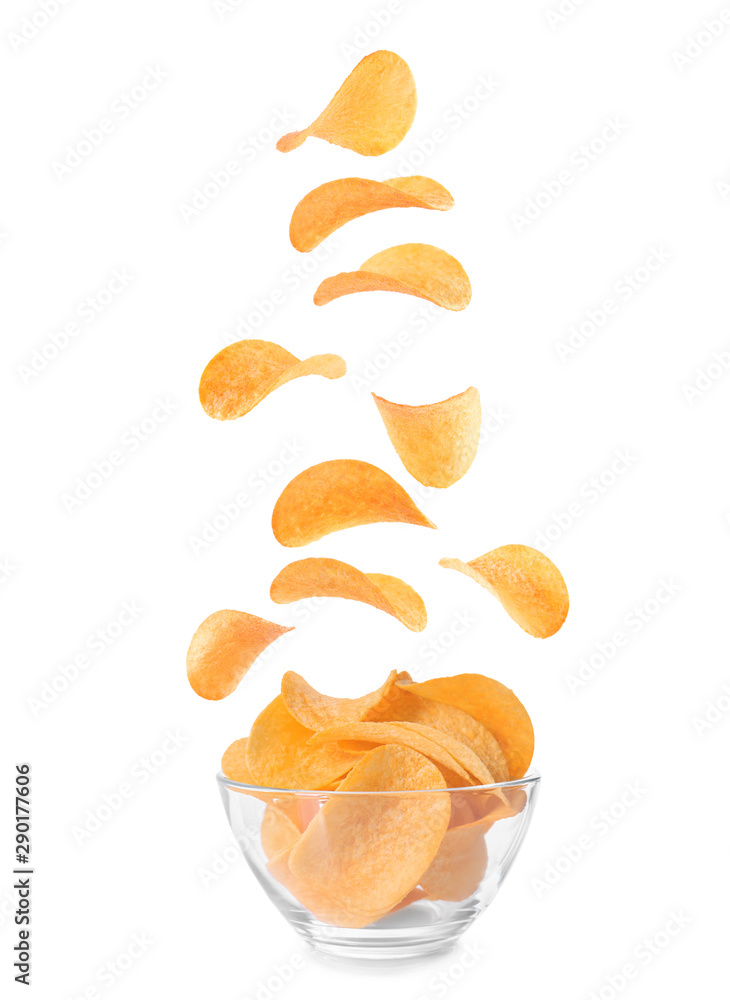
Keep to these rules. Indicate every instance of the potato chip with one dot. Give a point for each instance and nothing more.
(490, 807)
(224, 647)
(279, 754)
(234, 765)
(497, 708)
(317, 711)
(459, 765)
(362, 854)
(412, 268)
(528, 585)
(460, 864)
(278, 831)
(370, 113)
(332, 205)
(244, 373)
(413, 896)
(405, 706)
(340, 494)
(436, 442)
(332, 578)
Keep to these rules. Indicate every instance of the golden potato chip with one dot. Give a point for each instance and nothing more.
(332, 578)
(278, 831)
(233, 763)
(413, 896)
(317, 711)
(497, 708)
(412, 268)
(459, 765)
(331, 205)
(224, 647)
(370, 113)
(243, 374)
(436, 442)
(528, 585)
(402, 705)
(340, 494)
(363, 854)
(489, 807)
(460, 864)
(279, 754)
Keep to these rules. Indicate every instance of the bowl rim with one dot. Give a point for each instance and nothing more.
(531, 777)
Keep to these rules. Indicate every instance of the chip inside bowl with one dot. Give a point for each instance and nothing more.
(340, 494)
(495, 706)
(333, 578)
(330, 206)
(362, 855)
(370, 113)
(244, 373)
(529, 586)
(317, 711)
(411, 268)
(460, 863)
(436, 442)
(224, 647)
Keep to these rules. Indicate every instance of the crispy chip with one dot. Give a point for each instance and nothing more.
(402, 705)
(460, 863)
(362, 855)
(412, 268)
(497, 708)
(243, 374)
(340, 494)
(234, 765)
(528, 585)
(370, 113)
(317, 711)
(459, 765)
(490, 807)
(436, 442)
(224, 647)
(279, 754)
(331, 205)
(278, 831)
(332, 578)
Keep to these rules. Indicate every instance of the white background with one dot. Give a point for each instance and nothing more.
(227, 73)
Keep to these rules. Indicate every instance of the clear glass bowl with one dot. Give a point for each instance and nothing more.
(389, 855)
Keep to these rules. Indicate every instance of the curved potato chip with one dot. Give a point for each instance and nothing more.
(436, 442)
(460, 864)
(332, 578)
(340, 494)
(370, 113)
(234, 765)
(244, 373)
(497, 708)
(224, 647)
(278, 831)
(332, 205)
(529, 586)
(401, 705)
(489, 807)
(317, 711)
(363, 854)
(279, 754)
(412, 268)
(453, 758)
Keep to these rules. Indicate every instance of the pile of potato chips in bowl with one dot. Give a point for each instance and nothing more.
(381, 826)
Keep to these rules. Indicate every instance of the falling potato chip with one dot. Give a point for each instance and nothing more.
(497, 708)
(224, 647)
(279, 754)
(278, 831)
(243, 374)
(332, 578)
(362, 855)
(412, 268)
(340, 494)
(459, 765)
(402, 705)
(370, 113)
(331, 205)
(436, 442)
(529, 586)
(317, 711)
(460, 863)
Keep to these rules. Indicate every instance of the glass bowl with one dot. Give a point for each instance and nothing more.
(381, 874)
